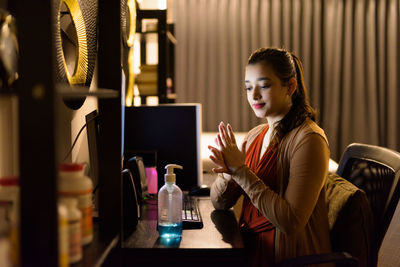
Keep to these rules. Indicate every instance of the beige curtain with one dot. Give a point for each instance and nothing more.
(360, 92)
(349, 50)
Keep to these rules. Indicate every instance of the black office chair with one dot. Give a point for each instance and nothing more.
(376, 170)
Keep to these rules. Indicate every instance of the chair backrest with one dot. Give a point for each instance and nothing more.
(350, 218)
(376, 170)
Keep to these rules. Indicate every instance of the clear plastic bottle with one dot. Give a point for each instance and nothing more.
(170, 206)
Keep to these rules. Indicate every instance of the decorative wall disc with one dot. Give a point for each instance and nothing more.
(76, 43)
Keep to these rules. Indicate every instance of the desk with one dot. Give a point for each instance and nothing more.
(218, 243)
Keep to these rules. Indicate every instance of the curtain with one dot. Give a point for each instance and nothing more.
(360, 80)
(349, 50)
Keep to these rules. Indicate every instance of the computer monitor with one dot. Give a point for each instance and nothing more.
(92, 129)
(169, 133)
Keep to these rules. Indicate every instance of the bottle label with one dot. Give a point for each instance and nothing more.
(64, 262)
(87, 221)
(63, 235)
(85, 205)
(75, 245)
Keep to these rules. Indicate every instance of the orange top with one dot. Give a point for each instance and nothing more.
(258, 231)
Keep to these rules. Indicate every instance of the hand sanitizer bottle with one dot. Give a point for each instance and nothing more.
(170, 206)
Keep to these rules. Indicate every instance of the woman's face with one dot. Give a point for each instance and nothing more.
(266, 94)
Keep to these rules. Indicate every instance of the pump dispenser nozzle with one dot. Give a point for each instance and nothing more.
(170, 176)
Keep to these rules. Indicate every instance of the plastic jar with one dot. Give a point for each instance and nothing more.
(73, 183)
(5, 244)
(74, 229)
(9, 201)
(63, 236)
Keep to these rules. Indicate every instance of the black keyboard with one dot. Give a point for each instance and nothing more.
(191, 217)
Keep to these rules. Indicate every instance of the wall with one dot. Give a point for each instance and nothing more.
(69, 124)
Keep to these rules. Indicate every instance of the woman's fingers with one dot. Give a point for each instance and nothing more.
(213, 150)
(223, 133)
(222, 144)
(230, 134)
(216, 157)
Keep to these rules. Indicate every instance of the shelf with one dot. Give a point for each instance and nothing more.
(148, 32)
(7, 93)
(97, 251)
(44, 130)
(76, 92)
(162, 43)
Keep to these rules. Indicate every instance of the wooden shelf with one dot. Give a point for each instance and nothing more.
(68, 92)
(161, 32)
(96, 252)
(39, 128)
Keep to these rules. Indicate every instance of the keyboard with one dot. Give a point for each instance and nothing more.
(191, 217)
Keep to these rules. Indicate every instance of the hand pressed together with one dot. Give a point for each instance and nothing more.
(228, 157)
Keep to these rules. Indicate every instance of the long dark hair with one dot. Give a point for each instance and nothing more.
(286, 65)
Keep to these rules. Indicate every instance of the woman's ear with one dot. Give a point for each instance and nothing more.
(292, 85)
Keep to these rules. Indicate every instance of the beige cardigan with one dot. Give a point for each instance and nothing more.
(298, 210)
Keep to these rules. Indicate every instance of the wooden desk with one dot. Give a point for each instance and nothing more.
(218, 243)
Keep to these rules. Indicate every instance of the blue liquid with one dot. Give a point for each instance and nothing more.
(171, 230)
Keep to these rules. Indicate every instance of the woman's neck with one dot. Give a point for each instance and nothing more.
(272, 122)
(275, 118)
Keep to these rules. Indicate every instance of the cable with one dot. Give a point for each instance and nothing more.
(77, 136)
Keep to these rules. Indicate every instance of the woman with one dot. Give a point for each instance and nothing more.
(283, 167)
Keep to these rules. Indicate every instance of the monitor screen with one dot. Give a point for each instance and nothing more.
(166, 134)
(93, 139)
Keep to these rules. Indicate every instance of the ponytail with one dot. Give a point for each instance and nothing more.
(301, 88)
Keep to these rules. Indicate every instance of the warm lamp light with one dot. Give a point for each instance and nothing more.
(131, 6)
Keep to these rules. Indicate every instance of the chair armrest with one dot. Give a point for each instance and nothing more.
(341, 258)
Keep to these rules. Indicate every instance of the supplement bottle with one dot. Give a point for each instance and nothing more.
(74, 229)
(73, 183)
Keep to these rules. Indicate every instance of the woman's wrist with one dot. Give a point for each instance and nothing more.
(236, 169)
